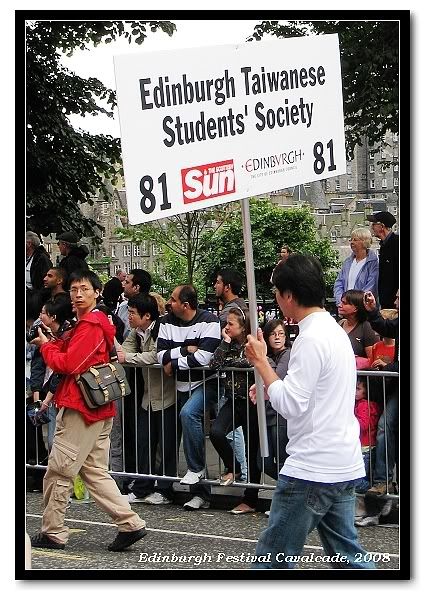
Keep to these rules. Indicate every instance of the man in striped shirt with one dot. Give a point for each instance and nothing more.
(187, 339)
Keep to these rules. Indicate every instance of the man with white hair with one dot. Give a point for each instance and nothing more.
(38, 262)
(360, 270)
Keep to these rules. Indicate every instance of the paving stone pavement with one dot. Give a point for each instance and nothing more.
(208, 539)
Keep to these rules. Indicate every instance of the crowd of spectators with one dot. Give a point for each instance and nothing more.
(171, 403)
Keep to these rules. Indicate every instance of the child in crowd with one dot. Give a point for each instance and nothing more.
(367, 413)
(236, 411)
(383, 352)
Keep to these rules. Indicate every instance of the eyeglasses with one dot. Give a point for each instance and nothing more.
(83, 290)
(277, 334)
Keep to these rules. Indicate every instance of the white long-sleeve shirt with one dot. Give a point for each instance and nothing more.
(317, 399)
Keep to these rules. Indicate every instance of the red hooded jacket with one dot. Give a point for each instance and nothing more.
(367, 414)
(87, 344)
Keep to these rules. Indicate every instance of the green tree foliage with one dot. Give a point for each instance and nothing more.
(174, 273)
(370, 72)
(65, 166)
(181, 236)
(271, 227)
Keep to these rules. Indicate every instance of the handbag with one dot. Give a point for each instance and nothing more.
(101, 384)
(36, 417)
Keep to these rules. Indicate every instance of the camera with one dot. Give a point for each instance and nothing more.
(33, 332)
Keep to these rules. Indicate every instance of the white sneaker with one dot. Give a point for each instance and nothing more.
(132, 498)
(191, 478)
(196, 503)
(267, 513)
(367, 522)
(156, 498)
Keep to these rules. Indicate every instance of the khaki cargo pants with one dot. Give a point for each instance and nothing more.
(81, 448)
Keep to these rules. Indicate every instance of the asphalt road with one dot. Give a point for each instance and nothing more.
(178, 539)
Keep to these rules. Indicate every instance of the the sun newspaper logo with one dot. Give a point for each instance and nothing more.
(208, 181)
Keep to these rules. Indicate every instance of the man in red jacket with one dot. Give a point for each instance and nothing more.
(81, 441)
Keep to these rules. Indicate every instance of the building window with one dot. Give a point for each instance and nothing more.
(395, 211)
(144, 248)
(157, 268)
(384, 168)
(395, 152)
(156, 249)
(117, 221)
(333, 236)
(395, 181)
(104, 253)
(49, 247)
(371, 155)
(395, 137)
(384, 183)
(349, 185)
(136, 265)
(337, 185)
(103, 234)
(371, 168)
(136, 251)
(396, 168)
(383, 154)
(349, 169)
(127, 266)
(104, 208)
(372, 184)
(116, 267)
(126, 250)
(113, 252)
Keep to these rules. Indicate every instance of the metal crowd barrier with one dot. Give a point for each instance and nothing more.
(120, 462)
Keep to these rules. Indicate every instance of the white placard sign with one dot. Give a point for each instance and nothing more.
(204, 126)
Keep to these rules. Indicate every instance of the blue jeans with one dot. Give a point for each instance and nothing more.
(191, 406)
(297, 508)
(51, 425)
(237, 441)
(386, 448)
(363, 484)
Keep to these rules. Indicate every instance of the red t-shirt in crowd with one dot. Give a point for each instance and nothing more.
(384, 352)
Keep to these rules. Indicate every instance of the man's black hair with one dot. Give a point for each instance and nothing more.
(302, 276)
(61, 272)
(189, 294)
(141, 278)
(86, 274)
(233, 278)
(144, 303)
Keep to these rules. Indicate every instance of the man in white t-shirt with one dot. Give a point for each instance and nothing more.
(316, 483)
